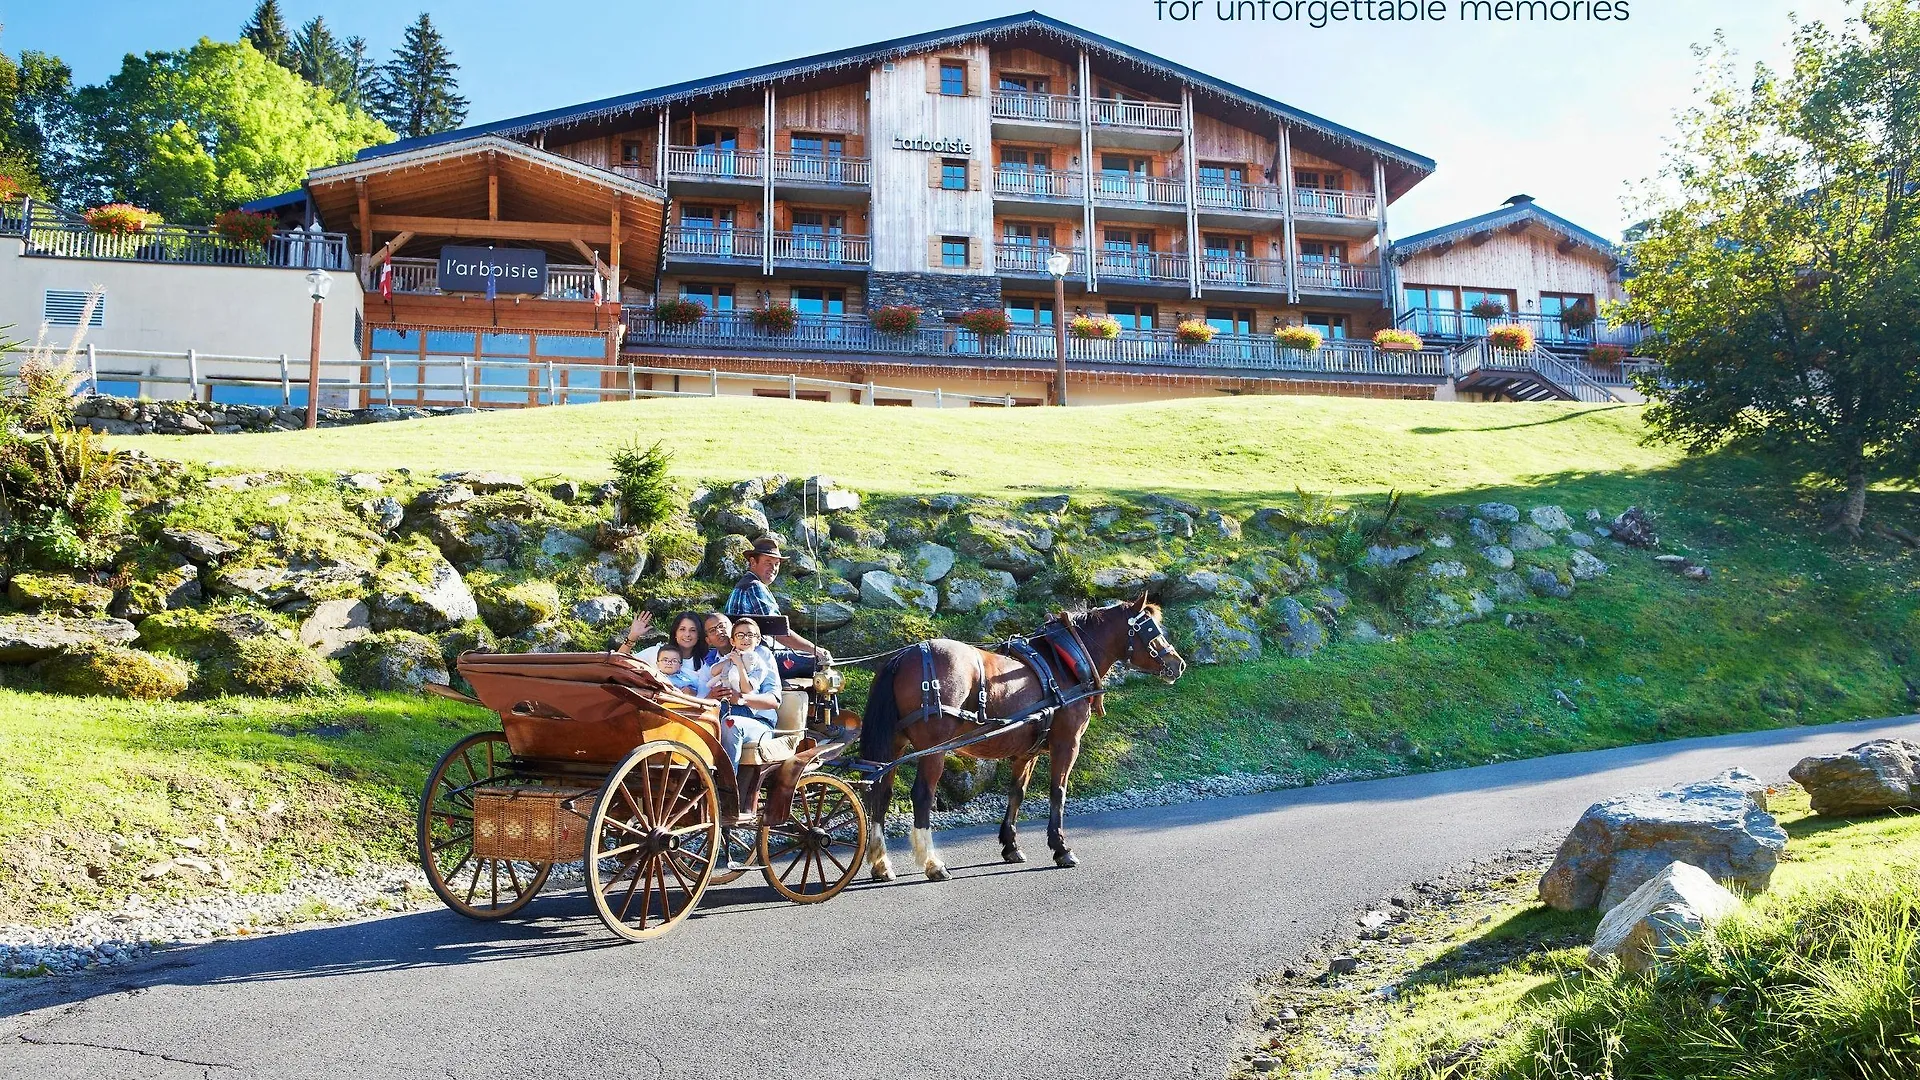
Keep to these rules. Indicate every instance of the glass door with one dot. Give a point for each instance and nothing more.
(1227, 258)
(716, 150)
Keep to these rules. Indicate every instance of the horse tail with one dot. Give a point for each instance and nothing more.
(880, 723)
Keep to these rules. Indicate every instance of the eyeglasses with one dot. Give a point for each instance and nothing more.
(746, 635)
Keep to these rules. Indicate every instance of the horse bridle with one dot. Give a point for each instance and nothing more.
(1144, 630)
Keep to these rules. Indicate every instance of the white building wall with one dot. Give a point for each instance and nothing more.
(907, 210)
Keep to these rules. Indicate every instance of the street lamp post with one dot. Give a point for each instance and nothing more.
(318, 283)
(1058, 264)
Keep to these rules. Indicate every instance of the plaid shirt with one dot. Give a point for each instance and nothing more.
(751, 596)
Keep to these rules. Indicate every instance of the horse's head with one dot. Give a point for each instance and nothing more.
(1147, 646)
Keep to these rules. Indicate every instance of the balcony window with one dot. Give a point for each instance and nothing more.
(1220, 174)
(1227, 258)
(1027, 234)
(814, 300)
(953, 251)
(715, 150)
(953, 174)
(629, 152)
(953, 78)
(1023, 84)
(1323, 251)
(1435, 310)
(717, 297)
(817, 233)
(1324, 180)
(1231, 320)
(1029, 311)
(1134, 317)
(819, 145)
(1121, 174)
(1331, 327)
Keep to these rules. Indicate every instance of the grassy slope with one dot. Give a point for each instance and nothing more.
(1498, 1009)
(1796, 627)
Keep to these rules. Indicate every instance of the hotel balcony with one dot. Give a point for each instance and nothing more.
(642, 173)
(50, 232)
(1337, 279)
(1142, 267)
(1140, 196)
(821, 171)
(824, 250)
(420, 277)
(1043, 185)
(705, 169)
(1453, 325)
(1030, 260)
(1024, 107)
(715, 246)
(1226, 273)
(744, 248)
(935, 341)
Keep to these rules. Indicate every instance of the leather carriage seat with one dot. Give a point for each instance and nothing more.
(771, 749)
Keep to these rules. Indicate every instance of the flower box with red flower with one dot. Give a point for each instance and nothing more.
(1395, 340)
(896, 319)
(775, 319)
(1514, 337)
(987, 322)
(679, 314)
(1193, 332)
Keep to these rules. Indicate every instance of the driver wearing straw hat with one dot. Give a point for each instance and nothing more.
(751, 596)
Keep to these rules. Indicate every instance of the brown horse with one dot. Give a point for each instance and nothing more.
(1126, 630)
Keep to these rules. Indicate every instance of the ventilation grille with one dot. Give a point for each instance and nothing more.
(64, 307)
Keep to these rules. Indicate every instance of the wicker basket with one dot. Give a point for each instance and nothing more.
(528, 824)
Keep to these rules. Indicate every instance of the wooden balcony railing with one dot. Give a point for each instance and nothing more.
(1044, 108)
(830, 169)
(1032, 259)
(821, 248)
(1142, 265)
(1326, 202)
(1229, 271)
(704, 162)
(1115, 187)
(1259, 197)
(642, 173)
(1315, 276)
(1037, 183)
(1454, 324)
(1251, 353)
(420, 277)
(50, 232)
(715, 243)
(1154, 115)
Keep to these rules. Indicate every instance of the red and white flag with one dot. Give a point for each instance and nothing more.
(386, 280)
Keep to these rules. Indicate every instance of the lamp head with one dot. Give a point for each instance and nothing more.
(319, 283)
(1059, 263)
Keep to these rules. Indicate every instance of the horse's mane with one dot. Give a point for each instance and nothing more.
(1079, 618)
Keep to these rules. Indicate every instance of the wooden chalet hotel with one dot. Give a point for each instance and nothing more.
(938, 171)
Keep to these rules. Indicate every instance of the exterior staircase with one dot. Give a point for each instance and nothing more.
(1530, 375)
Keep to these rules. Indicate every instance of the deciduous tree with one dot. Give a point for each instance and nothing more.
(1780, 265)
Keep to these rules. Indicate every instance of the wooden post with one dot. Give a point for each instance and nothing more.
(366, 215)
(869, 400)
(1086, 170)
(1288, 241)
(466, 381)
(386, 366)
(1060, 340)
(939, 402)
(1380, 231)
(493, 185)
(1193, 210)
(793, 387)
(313, 371)
(613, 254)
(713, 382)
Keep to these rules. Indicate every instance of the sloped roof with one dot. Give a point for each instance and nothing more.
(1518, 209)
(867, 55)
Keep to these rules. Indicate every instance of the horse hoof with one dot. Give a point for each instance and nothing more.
(937, 873)
(1012, 855)
(1065, 860)
(882, 873)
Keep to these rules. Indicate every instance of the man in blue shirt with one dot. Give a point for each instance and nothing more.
(751, 596)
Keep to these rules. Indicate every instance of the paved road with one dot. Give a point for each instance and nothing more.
(1124, 967)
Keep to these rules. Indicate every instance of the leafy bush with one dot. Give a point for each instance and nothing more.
(245, 227)
(9, 188)
(896, 319)
(640, 479)
(1193, 332)
(1304, 338)
(120, 219)
(987, 322)
(775, 318)
(1094, 327)
(116, 671)
(1393, 336)
(678, 313)
(1515, 336)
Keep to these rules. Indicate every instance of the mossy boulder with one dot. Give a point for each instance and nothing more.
(419, 590)
(116, 671)
(396, 660)
(239, 652)
(676, 551)
(58, 594)
(174, 583)
(510, 608)
(872, 630)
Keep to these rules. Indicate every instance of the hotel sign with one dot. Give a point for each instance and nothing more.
(932, 146)
(520, 271)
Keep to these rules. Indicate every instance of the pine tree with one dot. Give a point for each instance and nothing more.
(267, 33)
(361, 74)
(319, 58)
(416, 91)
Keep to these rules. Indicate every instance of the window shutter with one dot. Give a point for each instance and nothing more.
(976, 253)
(973, 175)
(749, 138)
(933, 252)
(783, 142)
(933, 74)
(856, 146)
(933, 172)
(976, 78)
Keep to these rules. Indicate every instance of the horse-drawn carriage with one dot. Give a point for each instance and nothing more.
(599, 762)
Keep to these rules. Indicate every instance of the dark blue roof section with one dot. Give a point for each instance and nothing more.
(896, 46)
(275, 203)
(1506, 215)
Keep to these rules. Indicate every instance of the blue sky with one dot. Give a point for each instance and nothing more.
(1569, 113)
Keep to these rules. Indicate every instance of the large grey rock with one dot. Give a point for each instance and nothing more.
(1126, 581)
(727, 557)
(1447, 569)
(1381, 555)
(833, 502)
(618, 571)
(1545, 582)
(264, 585)
(1499, 556)
(1508, 588)
(1300, 629)
(1048, 504)
(444, 497)
(559, 545)
(1871, 778)
(1221, 526)
(602, 610)
(431, 598)
(26, 638)
(931, 561)
(967, 595)
(1525, 537)
(1174, 523)
(176, 586)
(1550, 518)
(1579, 539)
(880, 589)
(1483, 534)
(385, 512)
(1675, 904)
(486, 481)
(1199, 583)
(401, 661)
(203, 548)
(1586, 566)
(1619, 843)
(999, 545)
(748, 519)
(1505, 513)
(335, 626)
(857, 533)
(817, 617)
(809, 532)
(1224, 636)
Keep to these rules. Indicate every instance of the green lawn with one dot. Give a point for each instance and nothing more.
(1242, 450)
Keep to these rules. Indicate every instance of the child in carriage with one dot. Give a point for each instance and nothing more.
(746, 682)
(680, 674)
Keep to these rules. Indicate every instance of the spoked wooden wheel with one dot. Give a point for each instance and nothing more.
(479, 888)
(813, 856)
(739, 846)
(651, 840)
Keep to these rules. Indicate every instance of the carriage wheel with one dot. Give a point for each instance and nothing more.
(739, 844)
(479, 888)
(812, 857)
(650, 840)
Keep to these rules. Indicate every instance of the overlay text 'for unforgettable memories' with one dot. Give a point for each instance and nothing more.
(1320, 14)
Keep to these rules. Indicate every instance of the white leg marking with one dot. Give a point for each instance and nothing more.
(928, 858)
(877, 848)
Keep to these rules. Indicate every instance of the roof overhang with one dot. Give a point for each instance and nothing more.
(1518, 218)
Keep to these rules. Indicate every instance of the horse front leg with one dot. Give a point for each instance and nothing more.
(1010, 826)
(924, 783)
(1061, 758)
(879, 801)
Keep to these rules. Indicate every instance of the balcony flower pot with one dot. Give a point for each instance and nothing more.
(896, 319)
(775, 319)
(1512, 336)
(1302, 338)
(1607, 356)
(245, 229)
(1487, 309)
(987, 322)
(1577, 318)
(679, 314)
(1193, 332)
(1094, 327)
(1394, 340)
(120, 219)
